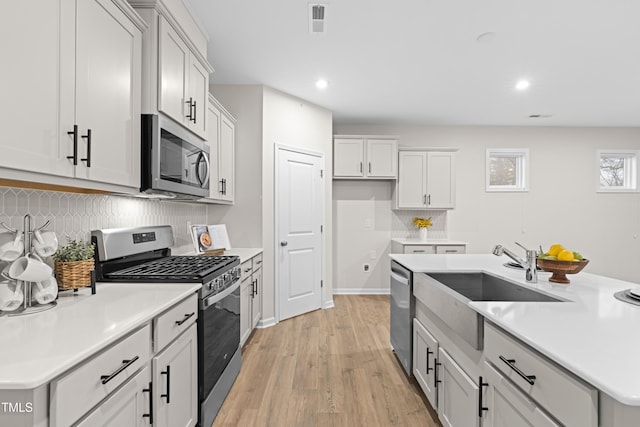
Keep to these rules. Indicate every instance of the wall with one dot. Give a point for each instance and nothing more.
(562, 205)
(75, 215)
(267, 117)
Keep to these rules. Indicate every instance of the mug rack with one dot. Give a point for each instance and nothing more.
(27, 232)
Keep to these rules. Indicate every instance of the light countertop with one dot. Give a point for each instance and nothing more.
(593, 335)
(244, 253)
(38, 347)
(429, 242)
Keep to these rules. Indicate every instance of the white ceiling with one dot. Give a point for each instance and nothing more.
(420, 61)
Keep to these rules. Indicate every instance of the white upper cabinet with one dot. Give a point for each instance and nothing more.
(426, 180)
(221, 138)
(184, 81)
(357, 157)
(72, 102)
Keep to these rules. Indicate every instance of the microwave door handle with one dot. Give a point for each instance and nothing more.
(201, 156)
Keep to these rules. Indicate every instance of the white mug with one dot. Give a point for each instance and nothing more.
(30, 268)
(45, 244)
(11, 296)
(11, 246)
(45, 291)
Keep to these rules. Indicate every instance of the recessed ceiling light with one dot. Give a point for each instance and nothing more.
(322, 84)
(523, 84)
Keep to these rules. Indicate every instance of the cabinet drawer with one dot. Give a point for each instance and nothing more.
(450, 249)
(246, 269)
(257, 261)
(79, 390)
(173, 322)
(567, 398)
(419, 249)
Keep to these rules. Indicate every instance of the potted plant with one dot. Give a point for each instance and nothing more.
(423, 224)
(73, 264)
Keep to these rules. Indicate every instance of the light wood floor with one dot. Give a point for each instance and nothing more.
(330, 367)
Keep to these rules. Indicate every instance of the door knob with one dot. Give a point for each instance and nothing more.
(284, 243)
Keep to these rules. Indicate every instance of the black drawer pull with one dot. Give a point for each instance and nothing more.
(481, 408)
(531, 379)
(150, 391)
(126, 363)
(88, 138)
(428, 353)
(168, 374)
(435, 373)
(74, 132)
(186, 317)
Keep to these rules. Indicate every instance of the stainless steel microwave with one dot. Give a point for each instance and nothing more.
(175, 162)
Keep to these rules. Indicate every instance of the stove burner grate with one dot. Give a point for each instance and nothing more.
(176, 266)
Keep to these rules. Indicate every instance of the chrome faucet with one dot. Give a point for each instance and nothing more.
(528, 264)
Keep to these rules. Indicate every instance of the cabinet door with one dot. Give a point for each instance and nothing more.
(382, 158)
(108, 71)
(245, 310)
(34, 84)
(506, 406)
(411, 184)
(226, 159)
(348, 157)
(129, 406)
(214, 119)
(174, 57)
(457, 394)
(425, 349)
(199, 94)
(256, 301)
(440, 180)
(175, 382)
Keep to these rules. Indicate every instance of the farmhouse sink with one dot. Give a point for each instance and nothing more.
(447, 295)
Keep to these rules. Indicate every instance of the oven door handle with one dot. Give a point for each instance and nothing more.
(207, 302)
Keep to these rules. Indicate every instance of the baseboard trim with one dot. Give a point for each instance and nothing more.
(360, 291)
(266, 323)
(328, 304)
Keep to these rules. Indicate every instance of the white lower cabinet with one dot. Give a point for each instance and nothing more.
(504, 405)
(129, 406)
(175, 382)
(458, 394)
(250, 296)
(425, 351)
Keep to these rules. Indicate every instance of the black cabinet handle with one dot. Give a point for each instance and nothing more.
(168, 374)
(256, 288)
(88, 138)
(424, 199)
(223, 183)
(435, 373)
(481, 408)
(369, 167)
(428, 199)
(186, 317)
(428, 353)
(531, 379)
(195, 111)
(74, 132)
(150, 391)
(360, 167)
(190, 102)
(126, 363)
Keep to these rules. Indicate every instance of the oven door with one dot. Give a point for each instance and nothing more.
(218, 336)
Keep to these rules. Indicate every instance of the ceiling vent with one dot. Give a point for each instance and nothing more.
(316, 18)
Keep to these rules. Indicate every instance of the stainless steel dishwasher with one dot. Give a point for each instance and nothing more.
(402, 312)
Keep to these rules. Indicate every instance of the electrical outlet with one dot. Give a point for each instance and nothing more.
(365, 267)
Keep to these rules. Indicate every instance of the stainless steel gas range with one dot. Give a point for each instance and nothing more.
(143, 255)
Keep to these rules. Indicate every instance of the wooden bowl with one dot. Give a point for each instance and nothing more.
(560, 269)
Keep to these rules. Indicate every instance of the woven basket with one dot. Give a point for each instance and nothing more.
(74, 274)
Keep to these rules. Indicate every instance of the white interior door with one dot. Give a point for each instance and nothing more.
(299, 204)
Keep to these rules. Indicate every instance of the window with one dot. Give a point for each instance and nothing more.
(617, 170)
(507, 169)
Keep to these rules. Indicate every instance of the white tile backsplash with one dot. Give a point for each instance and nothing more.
(75, 215)
(402, 224)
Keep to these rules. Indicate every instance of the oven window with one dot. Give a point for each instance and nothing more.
(219, 338)
(179, 160)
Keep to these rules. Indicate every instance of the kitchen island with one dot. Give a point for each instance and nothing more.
(590, 334)
(43, 348)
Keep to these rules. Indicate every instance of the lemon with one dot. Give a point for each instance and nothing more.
(565, 255)
(555, 249)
